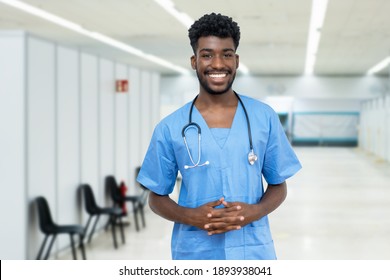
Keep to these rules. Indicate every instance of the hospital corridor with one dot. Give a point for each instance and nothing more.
(95, 94)
(337, 208)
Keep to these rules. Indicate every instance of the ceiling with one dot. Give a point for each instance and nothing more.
(355, 35)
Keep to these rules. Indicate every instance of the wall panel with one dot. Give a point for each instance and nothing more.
(106, 121)
(12, 146)
(41, 131)
(146, 111)
(121, 127)
(89, 95)
(134, 121)
(68, 139)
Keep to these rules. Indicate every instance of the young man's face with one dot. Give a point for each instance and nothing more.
(215, 63)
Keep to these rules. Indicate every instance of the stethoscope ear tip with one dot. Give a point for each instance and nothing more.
(186, 166)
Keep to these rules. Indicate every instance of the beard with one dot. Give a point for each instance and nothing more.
(205, 85)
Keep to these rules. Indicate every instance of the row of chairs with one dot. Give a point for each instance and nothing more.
(115, 214)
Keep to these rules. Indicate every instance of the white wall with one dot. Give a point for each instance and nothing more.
(62, 125)
(13, 198)
(106, 119)
(176, 91)
(89, 119)
(121, 128)
(145, 116)
(68, 137)
(374, 134)
(134, 127)
(41, 131)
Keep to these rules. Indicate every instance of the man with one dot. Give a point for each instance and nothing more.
(222, 208)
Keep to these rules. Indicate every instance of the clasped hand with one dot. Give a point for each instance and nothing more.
(232, 216)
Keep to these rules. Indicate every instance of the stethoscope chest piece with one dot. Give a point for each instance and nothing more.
(252, 157)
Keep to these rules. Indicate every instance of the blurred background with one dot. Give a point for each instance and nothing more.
(83, 83)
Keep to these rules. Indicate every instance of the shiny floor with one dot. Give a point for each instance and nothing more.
(338, 208)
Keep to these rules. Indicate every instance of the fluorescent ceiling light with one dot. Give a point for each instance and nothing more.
(97, 36)
(380, 66)
(169, 6)
(318, 11)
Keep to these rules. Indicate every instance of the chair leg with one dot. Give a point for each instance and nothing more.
(73, 247)
(107, 224)
(118, 218)
(93, 228)
(87, 225)
(112, 221)
(82, 246)
(42, 247)
(135, 212)
(141, 210)
(50, 246)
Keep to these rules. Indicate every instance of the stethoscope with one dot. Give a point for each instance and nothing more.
(251, 155)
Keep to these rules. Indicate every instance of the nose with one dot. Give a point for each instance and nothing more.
(217, 62)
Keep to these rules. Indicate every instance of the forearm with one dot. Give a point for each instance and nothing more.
(165, 207)
(218, 220)
(238, 214)
(271, 200)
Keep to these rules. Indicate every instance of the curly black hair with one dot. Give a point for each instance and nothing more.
(214, 25)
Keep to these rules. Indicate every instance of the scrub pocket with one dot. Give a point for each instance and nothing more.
(197, 245)
(258, 242)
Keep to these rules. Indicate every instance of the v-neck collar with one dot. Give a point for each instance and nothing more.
(206, 130)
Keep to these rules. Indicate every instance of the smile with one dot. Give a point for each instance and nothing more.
(217, 75)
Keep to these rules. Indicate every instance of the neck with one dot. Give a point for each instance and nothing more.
(220, 100)
(217, 110)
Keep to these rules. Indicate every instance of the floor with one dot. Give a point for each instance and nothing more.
(338, 207)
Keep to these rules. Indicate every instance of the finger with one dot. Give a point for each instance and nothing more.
(219, 223)
(225, 212)
(236, 220)
(219, 226)
(231, 205)
(218, 231)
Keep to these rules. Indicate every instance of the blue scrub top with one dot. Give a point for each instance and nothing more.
(228, 175)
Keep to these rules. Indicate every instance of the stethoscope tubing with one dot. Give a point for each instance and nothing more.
(183, 131)
(194, 124)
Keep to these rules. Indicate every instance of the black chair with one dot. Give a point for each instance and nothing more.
(49, 228)
(114, 213)
(118, 199)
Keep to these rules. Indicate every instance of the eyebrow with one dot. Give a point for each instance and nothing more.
(210, 50)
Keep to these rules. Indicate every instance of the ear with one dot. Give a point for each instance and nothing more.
(193, 62)
(237, 61)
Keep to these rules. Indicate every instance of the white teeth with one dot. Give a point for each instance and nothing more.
(222, 75)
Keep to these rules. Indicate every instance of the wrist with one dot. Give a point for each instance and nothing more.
(257, 212)
(184, 214)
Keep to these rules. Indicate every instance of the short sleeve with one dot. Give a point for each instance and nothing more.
(159, 168)
(280, 161)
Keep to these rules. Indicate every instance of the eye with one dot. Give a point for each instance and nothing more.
(207, 55)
